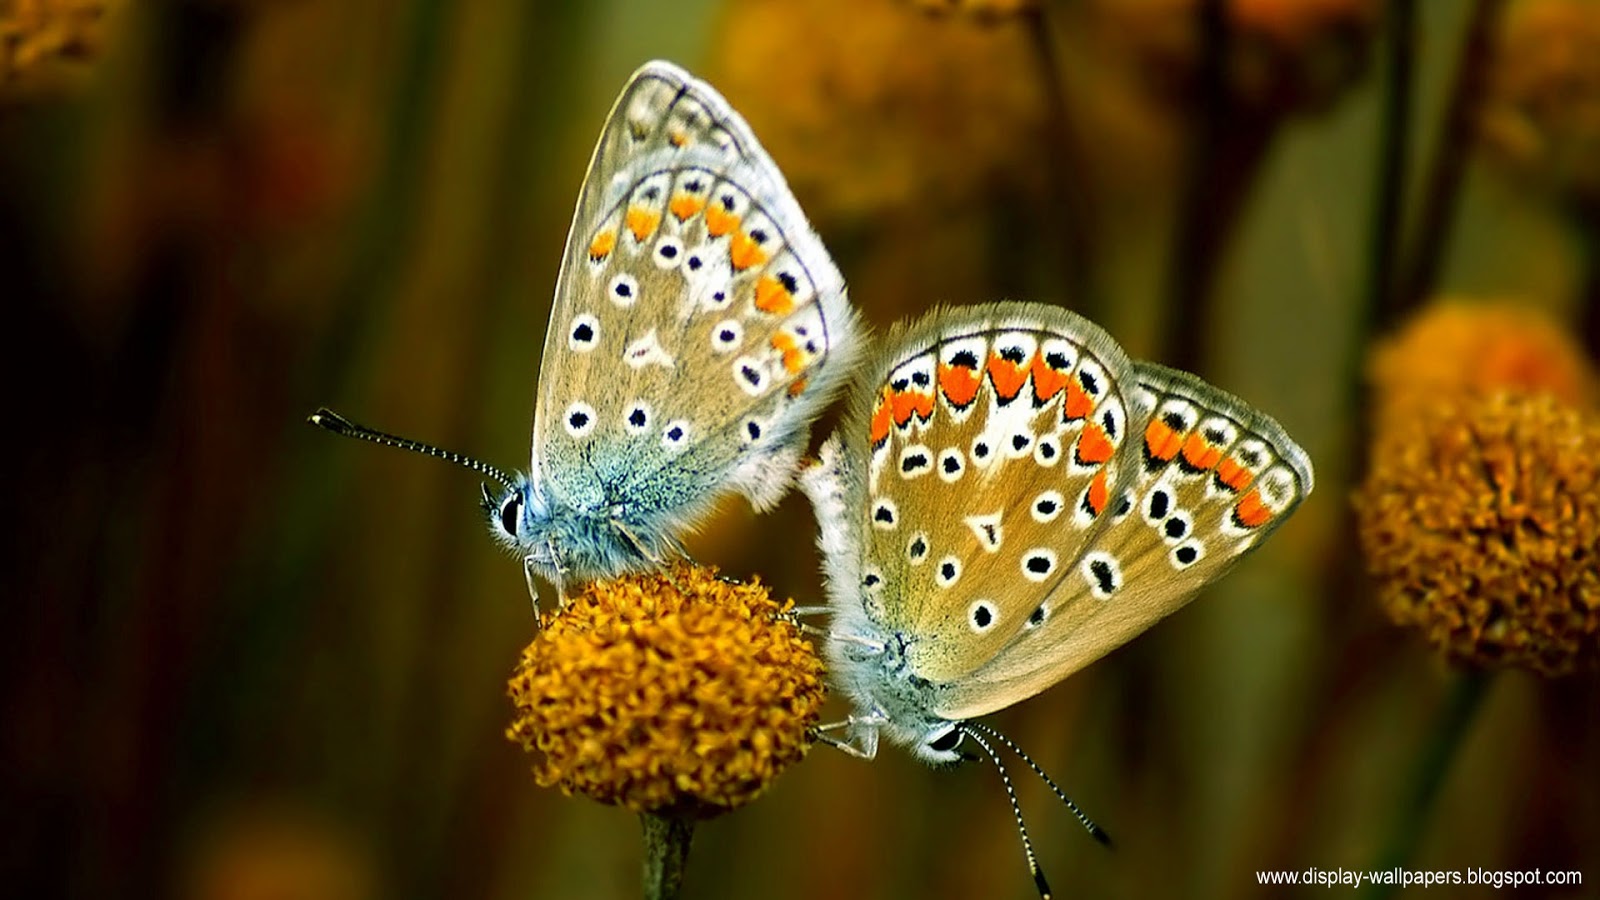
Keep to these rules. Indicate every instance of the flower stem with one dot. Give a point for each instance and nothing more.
(666, 850)
(1428, 777)
(1452, 149)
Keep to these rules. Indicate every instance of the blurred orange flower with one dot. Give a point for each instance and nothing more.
(1541, 118)
(1480, 522)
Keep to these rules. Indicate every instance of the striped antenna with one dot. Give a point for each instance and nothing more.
(1088, 824)
(1016, 810)
(327, 418)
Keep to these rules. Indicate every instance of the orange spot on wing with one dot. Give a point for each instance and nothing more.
(603, 244)
(1099, 493)
(1008, 377)
(797, 388)
(959, 384)
(1160, 441)
(882, 418)
(719, 221)
(909, 403)
(1078, 403)
(1094, 446)
(686, 205)
(744, 252)
(1233, 476)
(794, 356)
(1250, 511)
(678, 139)
(642, 222)
(1047, 381)
(772, 296)
(1199, 453)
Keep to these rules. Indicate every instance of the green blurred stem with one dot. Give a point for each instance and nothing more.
(1394, 149)
(1457, 135)
(1226, 144)
(666, 851)
(1411, 817)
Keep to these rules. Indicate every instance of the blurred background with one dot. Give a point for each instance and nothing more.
(245, 660)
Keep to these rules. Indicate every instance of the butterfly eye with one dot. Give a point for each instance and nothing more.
(946, 742)
(511, 514)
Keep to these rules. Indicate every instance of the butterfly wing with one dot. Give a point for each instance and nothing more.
(698, 323)
(1213, 477)
(988, 445)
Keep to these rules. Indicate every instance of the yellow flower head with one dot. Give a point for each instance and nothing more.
(1480, 521)
(1541, 116)
(1477, 349)
(684, 695)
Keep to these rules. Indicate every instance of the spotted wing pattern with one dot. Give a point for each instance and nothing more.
(698, 323)
(992, 438)
(1212, 478)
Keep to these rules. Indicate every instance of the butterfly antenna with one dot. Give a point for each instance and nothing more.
(1016, 811)
(327, 418)
(1088, 824)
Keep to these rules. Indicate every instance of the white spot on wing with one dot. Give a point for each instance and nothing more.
(987, 530)
(647, 351)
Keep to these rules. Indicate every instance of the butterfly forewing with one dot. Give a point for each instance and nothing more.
(1212, 478)
(698, 323)
(992, 442)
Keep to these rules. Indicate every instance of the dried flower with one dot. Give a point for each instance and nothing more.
(1480, 521)
(1284, 55)
(684, 695)
(1541, 117)
(43, 42)
(1455, 347)
(894, 113)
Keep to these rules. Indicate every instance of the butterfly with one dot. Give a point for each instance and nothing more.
(1008, 499)
(699, 326)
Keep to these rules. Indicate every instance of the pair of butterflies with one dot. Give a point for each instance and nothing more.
(1009, 498)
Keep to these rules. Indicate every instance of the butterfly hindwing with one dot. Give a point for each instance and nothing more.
(698, 324)
(989, 439)
(1213, 477)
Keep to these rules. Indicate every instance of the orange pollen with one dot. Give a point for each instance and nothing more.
(1250, 511)
(745, 252)
(959, 384)
(1199, 453)
(603, 244)
(1094, 447)
(1099, 493)
(1008, 377)
(719, 221)
(1161, 441)
(685, 206)
(1078, 404)
(1233, 476)
(1047, 382)
(772, 296)
(642, 222)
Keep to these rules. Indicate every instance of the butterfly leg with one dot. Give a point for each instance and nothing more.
(647, 553)
(861, 740)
